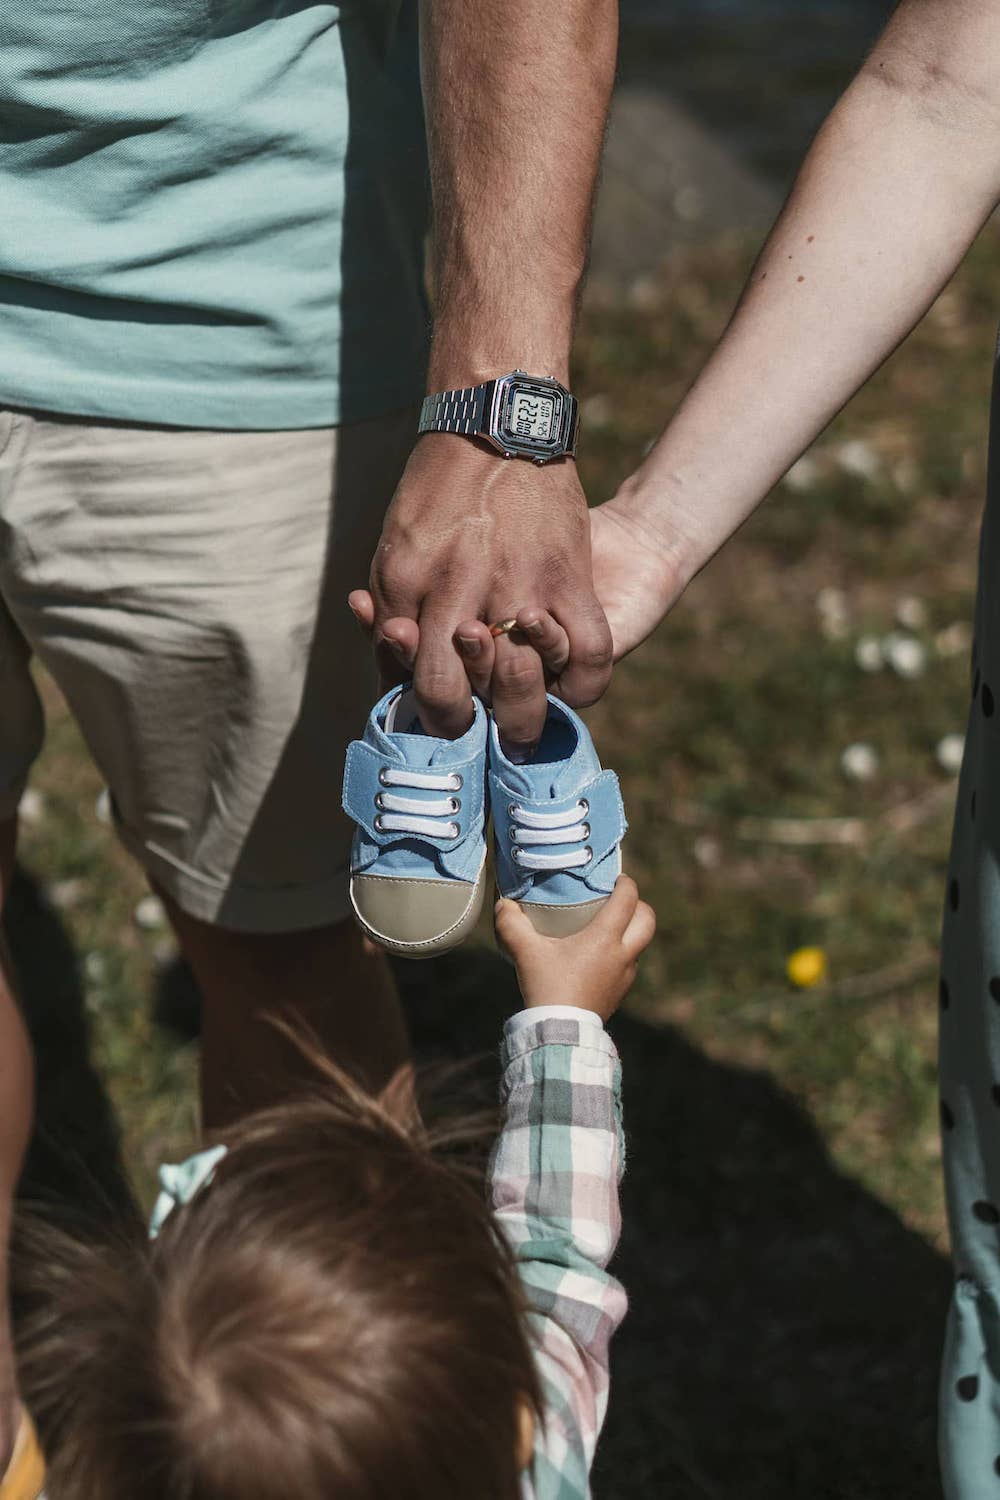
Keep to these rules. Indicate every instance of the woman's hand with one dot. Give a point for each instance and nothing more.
(594, 969)
(636, 578)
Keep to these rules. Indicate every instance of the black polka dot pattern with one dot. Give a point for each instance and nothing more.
(969, 1099)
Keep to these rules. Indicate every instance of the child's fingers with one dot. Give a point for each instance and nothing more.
(640, 931)
(616, 913)
(475, 646)
(513, 929)
(547, 636)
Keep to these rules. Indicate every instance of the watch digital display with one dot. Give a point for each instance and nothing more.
(531, 415)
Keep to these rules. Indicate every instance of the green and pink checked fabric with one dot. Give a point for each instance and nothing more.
(554, 1179)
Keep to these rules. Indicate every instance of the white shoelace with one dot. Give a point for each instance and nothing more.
(418, 815)
(550, 828)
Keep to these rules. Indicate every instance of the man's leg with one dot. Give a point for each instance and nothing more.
(16, 1104)
(325, 979)
(217, 690)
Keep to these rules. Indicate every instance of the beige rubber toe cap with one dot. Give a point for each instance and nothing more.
(561, 921)
(416, 918)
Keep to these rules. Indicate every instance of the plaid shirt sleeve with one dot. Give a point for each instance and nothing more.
(554, 1176)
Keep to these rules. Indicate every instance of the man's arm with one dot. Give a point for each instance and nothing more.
(900, 179)
(516, 100)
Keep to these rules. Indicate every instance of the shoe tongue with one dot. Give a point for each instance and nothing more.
(419, 750)
(402, 717)
(550, 770)
(415, 746)
(538, 781)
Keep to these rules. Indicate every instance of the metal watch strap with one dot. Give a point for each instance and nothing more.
(455, 411)
(573, 429)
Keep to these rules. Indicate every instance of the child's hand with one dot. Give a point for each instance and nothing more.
(595, 968)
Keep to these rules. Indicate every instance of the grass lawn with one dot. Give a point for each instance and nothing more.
(786, 1231)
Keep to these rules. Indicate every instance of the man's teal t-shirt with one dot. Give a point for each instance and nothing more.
(211, 211)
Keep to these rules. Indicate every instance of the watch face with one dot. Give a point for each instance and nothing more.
(532, 415)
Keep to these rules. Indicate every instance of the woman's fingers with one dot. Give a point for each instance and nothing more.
(403, 637)
(399, 642)
(396, 650)
(362, 607)
(474, 645)
(396, 647)
(547, 636)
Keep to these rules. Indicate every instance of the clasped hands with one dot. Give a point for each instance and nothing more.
(470, 540)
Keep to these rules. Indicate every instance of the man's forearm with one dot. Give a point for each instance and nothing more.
(900, 179)
(517, 99)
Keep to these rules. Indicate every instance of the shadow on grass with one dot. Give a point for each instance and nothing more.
(75, 1158)
(785, 1327)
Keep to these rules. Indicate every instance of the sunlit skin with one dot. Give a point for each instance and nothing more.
(900, 179)
(468, 534)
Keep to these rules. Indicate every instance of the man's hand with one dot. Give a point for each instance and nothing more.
(516, 101)
(594, 969)
(470, 539)
(637, 578)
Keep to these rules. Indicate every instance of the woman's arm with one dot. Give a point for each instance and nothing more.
(901, 177)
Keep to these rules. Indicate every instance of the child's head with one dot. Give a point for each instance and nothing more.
(334, 1318)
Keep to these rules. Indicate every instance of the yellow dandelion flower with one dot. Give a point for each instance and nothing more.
(806, 967)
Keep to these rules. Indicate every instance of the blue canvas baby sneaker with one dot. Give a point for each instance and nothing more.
(419, 852)
(558, 822)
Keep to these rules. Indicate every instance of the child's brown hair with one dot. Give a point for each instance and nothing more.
(335, 1318)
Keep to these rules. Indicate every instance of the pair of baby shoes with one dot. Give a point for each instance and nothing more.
(422, 805)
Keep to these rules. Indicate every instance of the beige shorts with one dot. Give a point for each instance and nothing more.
(186, 590)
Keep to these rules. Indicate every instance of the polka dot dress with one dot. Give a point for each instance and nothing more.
(969, 996)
